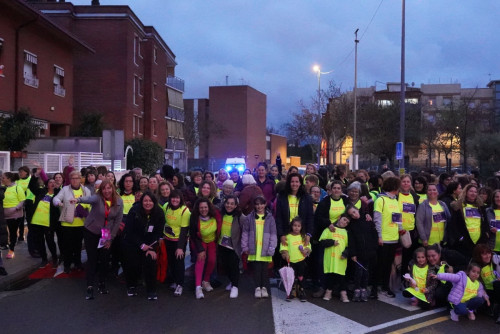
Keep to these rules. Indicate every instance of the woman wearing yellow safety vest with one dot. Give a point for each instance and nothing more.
(408, 204)
(13, 203)
(468, 225)
(388, 222)
(493, 219)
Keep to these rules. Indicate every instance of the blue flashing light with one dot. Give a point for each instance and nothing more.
(240, 168)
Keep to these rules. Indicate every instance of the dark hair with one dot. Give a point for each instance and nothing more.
(493, 183)
(62, 176)
(312, 178)
(472, 265)
(391, 184)
(263, 164)
(237, 209)
(373, 182)
(434, 247)
(90, 172)
(422, 180)
(121, 183)
(302, 231)
(288, 188)
(24, 168)
(418, 250)
(479, 250)
(196, 208)
(102, 170)
(450, 189)
(280, 187)
(209, 173)
(11, 176)
(290, 169)
(150, 195)
(443, 177)
(114, 176)
(259, 198)
(178, 194)
(213, 189)
(364, 190)
(180, 181)
(156, 211)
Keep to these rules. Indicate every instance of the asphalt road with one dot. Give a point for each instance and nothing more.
(59, 306)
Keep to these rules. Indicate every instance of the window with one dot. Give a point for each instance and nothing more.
(137, 125)
(411, 101)
(30, 69)
(432, 101)
(140, 89)
(446, 101)
(155, 55)
(136, 90)
(154, 127)
(385, 103)
(1, 58)
(472, 105)
(137, 49)
(59, 81)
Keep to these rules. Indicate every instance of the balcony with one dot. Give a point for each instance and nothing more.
(175, 114)
(31, 81)
(175, 83)
(59, 90)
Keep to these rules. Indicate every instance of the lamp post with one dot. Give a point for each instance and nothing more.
(403, 87)
(317, 69)
(354, 159)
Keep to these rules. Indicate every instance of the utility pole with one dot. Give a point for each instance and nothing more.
(356, 41)
(403, 87)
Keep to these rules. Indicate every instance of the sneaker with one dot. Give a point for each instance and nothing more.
(264, 293)
(453, 315)
(152, 296)
(178, 291)
(10, 254)
(343, 296)
(471, 315)
(43, 264)
(234, 292)
(199, 293)
(206, 286)
(3, 272)
(131, 292)
(364, 295)
(302, 295)
(357, 296)
(319, 293)
(228, 287)
(173, 286)
(328, 295)
(101, 288)
(388, 293)
(90, 293)
(258, 293)
(373, 293)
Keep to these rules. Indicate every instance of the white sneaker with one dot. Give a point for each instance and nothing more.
(343, 297)
(199, 293)
(178, 291)
(173, 286)
(206, 286)
(234, 292)
(264, 292)
(228, 287)
(328, 295)
(258, 293)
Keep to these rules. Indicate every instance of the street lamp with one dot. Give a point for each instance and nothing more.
(402, 93)
(317, 69)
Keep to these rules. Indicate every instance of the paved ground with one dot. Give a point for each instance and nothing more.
(59, 306)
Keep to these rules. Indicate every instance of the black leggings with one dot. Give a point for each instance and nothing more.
(97, 258)
(176, 267)
(136, 262)
(260, 275)
(299, 269)
(42, 235)
(231, 264)
(386, 254)
(72, 238)
(13, 225)
(332, 279)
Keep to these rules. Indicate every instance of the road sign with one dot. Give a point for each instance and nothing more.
(399, 150)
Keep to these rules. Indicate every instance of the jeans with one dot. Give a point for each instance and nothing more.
(470, 305)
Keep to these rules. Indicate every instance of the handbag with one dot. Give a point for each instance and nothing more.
(405, 239)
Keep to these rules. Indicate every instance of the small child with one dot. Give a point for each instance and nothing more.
(335, 240)
(490, 267)
(467, 293)
(295, 253)
(259, 240)
(417, 278)
(363, 245)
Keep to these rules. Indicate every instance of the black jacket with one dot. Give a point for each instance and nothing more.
(39, 195)
(322, 215)
(139, 229)
(3, 224)
(363, 239)
(283, 214)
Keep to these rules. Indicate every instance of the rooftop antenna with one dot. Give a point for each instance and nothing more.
(227, 80)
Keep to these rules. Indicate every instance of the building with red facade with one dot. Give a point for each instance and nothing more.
(36, 67)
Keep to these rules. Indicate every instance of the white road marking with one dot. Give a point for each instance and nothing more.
(297, 318)
(399, 301)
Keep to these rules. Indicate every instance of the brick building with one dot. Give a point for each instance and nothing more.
(36, 66)
(231, 123)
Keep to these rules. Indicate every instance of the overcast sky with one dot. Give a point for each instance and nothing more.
(273, 45)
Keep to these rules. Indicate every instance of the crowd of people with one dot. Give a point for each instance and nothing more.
(359, 234)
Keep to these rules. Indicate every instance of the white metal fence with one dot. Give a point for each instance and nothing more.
(55, 162)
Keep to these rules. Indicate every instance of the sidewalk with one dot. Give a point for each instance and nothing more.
(18, 267)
